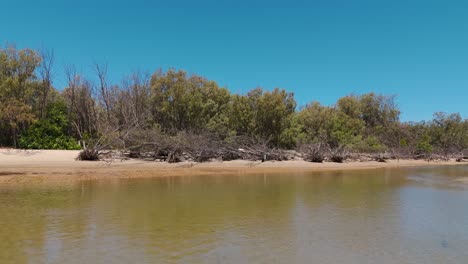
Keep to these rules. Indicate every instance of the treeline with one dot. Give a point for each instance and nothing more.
(174, 113)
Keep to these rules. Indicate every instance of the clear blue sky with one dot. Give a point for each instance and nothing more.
(320, 50)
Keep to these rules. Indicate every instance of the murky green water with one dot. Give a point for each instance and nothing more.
(377, 216)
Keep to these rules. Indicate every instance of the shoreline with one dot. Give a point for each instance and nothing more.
(43, 166)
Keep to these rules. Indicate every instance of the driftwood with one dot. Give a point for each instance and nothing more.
(154, 145)
(314, 152)
(339, 154)
(203, 148)
(250, 149)
(89, 154)
(320, 152)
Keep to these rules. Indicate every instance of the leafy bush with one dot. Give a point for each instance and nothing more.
(370, 144)
(50, 133)
(424, 146)
(36, 138)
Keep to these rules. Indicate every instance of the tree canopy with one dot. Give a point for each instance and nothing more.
(34, 114)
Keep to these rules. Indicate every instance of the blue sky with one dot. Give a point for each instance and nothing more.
(320, 50)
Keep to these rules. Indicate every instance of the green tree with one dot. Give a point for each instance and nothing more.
(265, 115)
(18, 89)
(329, 125)
(448, 132)
(182, 102)
(51, 132)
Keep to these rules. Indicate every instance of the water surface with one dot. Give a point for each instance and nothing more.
(374, 216)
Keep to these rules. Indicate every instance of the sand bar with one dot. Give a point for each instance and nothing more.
(36, 166)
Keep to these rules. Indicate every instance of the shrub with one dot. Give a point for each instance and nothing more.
(50, 133)
(338, 158)
(339, 155)
(314, 153)
(89, 155)
(424, 146)
(46, 135)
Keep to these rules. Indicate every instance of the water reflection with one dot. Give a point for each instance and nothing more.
(374, 216)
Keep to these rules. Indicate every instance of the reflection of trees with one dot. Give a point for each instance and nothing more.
(176, 214)
(181, 218)
(27, 214)
(349, 189)
(169, 214)
(340, 214)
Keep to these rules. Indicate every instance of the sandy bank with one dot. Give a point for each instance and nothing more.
(23, 166)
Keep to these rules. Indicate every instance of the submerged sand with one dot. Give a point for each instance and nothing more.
(36, 166)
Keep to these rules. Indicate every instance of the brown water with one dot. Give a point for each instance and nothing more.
(375, 216)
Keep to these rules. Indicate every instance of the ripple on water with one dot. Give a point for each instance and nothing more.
(415, 215)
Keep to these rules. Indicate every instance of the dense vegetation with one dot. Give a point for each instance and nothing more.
(174, 111)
